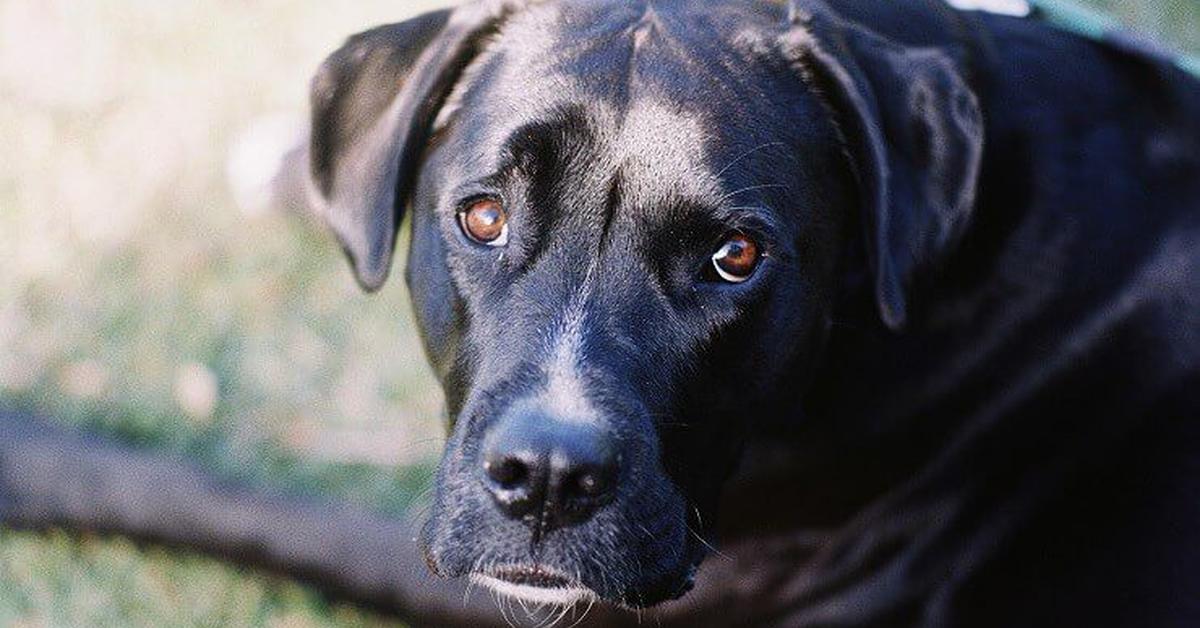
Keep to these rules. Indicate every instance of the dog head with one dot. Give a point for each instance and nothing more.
(630, 224)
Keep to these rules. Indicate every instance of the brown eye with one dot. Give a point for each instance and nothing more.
(485, 222)
(737, 258)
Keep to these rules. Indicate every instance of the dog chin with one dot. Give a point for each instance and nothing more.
(552, 596)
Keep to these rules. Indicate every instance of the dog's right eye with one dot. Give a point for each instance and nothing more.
(485, 222)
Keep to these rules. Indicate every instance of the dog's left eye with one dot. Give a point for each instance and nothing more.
(737, 259)
(485, 222)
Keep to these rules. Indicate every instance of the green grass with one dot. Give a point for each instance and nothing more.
(1176, 21)
(135, 298)
(61, 580)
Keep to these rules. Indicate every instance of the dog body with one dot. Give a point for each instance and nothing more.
(1028, 445)
(930, 279)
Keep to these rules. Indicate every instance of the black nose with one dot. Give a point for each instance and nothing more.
(549, 473)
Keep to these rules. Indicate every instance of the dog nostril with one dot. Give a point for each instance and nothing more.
(548, 473)
(509, 473)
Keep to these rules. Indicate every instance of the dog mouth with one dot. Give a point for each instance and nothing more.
(534, 584)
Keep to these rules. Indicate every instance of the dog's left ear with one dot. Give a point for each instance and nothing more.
(915, 133)
(374, 102)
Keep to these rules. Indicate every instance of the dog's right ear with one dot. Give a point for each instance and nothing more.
(374, 102)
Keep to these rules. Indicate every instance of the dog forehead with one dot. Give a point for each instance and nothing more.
(647, 114)
(661, 149)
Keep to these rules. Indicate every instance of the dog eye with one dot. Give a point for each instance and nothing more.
(737, 258)
(485, 222)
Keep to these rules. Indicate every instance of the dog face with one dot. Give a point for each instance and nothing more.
(626, 292)
(629, 222)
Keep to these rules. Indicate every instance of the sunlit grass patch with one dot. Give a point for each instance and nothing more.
(55, 579)
(137, 300)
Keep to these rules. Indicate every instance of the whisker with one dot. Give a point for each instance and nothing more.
(704, 541)
(747, 154)
(561, 614)
(710, 547)
(765, 186)
(586, 611)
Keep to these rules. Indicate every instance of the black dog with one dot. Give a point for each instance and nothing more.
(931, 277)
(646, 234)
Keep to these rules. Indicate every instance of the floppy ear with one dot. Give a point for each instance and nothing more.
(373, 105)
(915, 133)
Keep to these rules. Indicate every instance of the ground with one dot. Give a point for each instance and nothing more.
(142, 296)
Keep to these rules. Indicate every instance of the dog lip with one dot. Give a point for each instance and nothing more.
(535, 585)
(531, 576)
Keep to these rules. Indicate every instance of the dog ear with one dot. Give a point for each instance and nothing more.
(374, 102)
(915, 133)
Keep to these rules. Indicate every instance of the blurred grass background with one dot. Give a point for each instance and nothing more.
(138, 300)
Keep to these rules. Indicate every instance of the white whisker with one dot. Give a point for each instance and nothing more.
(747, 154)
(751, 188)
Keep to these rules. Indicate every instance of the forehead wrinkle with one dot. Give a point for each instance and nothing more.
(541, 51)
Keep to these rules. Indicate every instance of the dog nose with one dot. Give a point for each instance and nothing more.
(549, 473)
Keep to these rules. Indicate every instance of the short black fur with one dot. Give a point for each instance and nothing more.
(978, 298)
